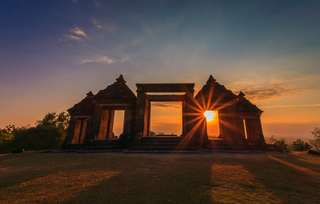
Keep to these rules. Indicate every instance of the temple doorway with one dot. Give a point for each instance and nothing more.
(212, 122)
(111, 124)
(118, 124)
(165, 118)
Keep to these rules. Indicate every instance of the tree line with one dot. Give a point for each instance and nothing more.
(298, 145)
(48, 133)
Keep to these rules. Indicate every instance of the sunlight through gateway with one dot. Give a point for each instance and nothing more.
(212, 126)
(209, 115)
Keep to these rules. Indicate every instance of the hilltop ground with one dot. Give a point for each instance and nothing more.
(159, 178)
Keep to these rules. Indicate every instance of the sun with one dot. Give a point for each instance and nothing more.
(209, 115)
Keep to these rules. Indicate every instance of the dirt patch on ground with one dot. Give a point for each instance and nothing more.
(235, 184)
(296, 167)
(55, 187)
(313, 159)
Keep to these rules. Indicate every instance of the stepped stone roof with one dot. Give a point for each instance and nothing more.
(116, 92)
(212, 95)
(245, 106)
(84, 107)
(217, 94)
(214, 92)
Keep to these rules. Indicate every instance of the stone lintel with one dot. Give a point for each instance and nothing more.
(165, 87)
(165, 97)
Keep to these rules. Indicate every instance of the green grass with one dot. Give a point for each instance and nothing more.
(159, 178)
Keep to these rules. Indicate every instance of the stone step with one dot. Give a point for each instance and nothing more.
(162, 138)
(103, 147)
(157, 147)
(157, 143)
(160, 142)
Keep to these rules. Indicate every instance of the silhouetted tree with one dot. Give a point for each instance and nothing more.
(300, 145)
(36, 138)
(316, 139)
(60, 120)
(6, 134)
(6, 138)
(48, 133)
(279, 144)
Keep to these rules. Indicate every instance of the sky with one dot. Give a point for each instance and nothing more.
(53, 52)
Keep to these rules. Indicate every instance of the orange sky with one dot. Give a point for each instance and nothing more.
(52, 54)
(291, 113)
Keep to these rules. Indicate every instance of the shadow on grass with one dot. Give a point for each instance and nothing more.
(156, 179)
(302, 159)
(211, 178)
(205, 179)
(282, 183)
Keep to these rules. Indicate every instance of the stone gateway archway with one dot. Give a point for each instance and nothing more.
(92, 119)
(148, 93)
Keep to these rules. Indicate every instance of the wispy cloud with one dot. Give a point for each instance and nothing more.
(260, 93)
(263, 92)
(264, 88)
(97, 24)
(98, 60)
(77, 33)
(108, 27)
(104, 60)
(316, 105)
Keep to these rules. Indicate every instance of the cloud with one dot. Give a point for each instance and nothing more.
(263, 92)
(104, 60)
(109, 27)
(316, 105)
(97, 24)
(77, 33)
(99, 60)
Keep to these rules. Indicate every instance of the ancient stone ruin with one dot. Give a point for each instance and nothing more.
(92, 119)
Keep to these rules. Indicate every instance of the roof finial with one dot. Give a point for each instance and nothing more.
(241, 94)
(211, 80)
(120, 79)
(89, 94)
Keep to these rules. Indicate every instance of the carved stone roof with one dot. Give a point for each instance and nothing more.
(116, 92)
(84, 107)
(245, 106)
(212, 94)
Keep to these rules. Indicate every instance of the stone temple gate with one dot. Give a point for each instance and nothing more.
(92, 119)
(148, 93)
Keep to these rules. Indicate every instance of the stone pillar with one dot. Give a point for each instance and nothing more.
(194, 123)
(110, 121)
(76, 132)
(140, 114)
(84, 125)
(254, 129)
(261, 136)
(225, 128)
(147, 114)
(70, 131)
(103, 133)
(127, 122)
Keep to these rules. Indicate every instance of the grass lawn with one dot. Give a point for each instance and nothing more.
(159, 178)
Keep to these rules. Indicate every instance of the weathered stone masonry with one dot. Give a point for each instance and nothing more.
(91, 122)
